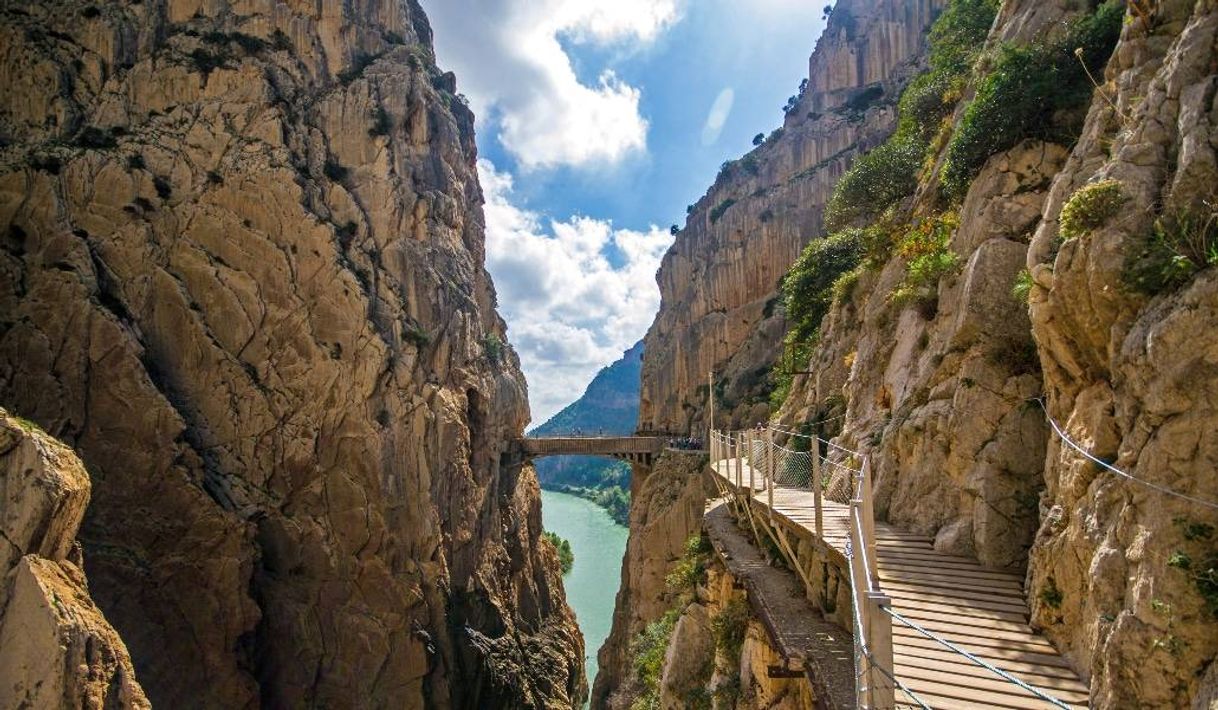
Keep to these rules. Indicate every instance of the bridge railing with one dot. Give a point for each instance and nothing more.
(752, 461)
(842, 476)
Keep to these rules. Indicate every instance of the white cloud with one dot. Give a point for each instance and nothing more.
(717, 116)
(571, 309)
(514, 69)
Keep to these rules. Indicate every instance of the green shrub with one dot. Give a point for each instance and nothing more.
(1181, 243)
(566, 558)
(759, 139)
(1032, 91)
(94, 138)
(889, 173)
(416, 335)
(280, 41)
(927, 252)
(875, 181)
(1090, 208)
(135, 161)
(206, 62)
(843, 287)
(720, 208)
(690, 569)
(1022, 289)
(808, 287)
(1050, 595)
(162, 187)
(647, 656)
(729, 627)
(492, 347)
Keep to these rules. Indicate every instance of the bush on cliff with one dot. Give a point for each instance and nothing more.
(566, 558)
(1032, 91)
(889, 173)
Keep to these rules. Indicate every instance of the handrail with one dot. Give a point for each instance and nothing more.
(871, 609)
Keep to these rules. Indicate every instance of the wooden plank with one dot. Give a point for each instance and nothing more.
(973, 643)
(962, 620)
(902, 603)
(1024, 669)
(956, 596)
(932, 579)
(979, 575)
(998, 655)
(990, 683)
(975, 676)
(939, 701)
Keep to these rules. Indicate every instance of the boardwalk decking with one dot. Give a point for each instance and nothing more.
(979, 609)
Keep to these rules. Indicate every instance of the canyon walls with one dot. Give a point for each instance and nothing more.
(241, 273)
(719, 281)
(1045, 261)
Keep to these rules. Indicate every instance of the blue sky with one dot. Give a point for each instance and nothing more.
(598, 122)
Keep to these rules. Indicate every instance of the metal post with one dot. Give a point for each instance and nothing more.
(817, 478)
(710, 398)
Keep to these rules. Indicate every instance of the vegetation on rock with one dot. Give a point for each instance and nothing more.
(562, 546)
(1033, 91)
(1090, 208)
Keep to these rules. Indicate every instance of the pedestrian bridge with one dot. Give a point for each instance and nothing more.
(635, 449)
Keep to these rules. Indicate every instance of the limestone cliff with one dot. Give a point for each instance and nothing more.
(59, 650)
(928, 362)
(718, 282)
(242, 275)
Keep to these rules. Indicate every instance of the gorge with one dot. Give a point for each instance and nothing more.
(262, 425)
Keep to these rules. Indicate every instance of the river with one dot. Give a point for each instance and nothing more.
(598, 544)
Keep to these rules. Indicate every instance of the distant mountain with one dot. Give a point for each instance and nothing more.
(610, 405)
(611, 402)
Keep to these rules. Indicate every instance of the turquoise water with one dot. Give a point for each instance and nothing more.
(598, 544)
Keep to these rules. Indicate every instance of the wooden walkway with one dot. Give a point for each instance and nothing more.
(979, 609)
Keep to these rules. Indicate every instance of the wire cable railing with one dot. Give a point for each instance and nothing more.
(755, 463)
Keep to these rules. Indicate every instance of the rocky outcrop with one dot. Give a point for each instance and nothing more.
(1131, 374)
(242, 275)
(665, 510)
(942, 391)
(59, 650)
(718, 282)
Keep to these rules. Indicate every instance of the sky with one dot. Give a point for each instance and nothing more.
(598, 121)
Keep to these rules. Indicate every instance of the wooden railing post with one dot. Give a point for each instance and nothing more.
(739, 460)
(859, 575)
(817, 477)
(868, 512)
(769, 471)
(879, 640)
(753, 462)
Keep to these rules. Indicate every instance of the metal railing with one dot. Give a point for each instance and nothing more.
(754, 462)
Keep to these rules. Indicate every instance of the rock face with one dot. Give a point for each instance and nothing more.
(59, 650)
(665, 510)
(242, 275)
(943, 395)
(718, 282)
(1133, 377)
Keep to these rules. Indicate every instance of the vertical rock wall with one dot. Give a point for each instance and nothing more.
(718, 282)
(242, 274)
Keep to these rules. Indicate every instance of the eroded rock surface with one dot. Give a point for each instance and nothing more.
(242, 275)
(718, 282)
(59, 650)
